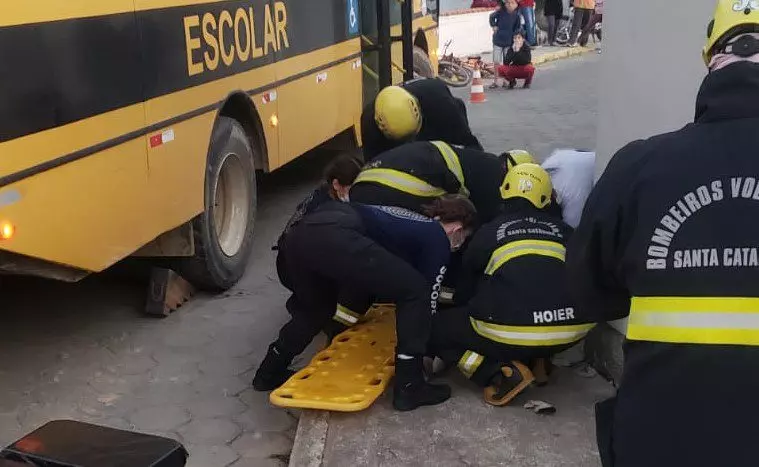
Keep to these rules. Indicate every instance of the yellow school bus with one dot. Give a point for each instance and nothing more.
(136, 127)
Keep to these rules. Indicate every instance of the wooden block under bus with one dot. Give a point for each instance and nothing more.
(167, 292)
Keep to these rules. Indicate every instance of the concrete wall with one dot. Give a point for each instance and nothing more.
(469, 33)
(651, 69)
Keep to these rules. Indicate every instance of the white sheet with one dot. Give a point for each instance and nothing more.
(572, 172)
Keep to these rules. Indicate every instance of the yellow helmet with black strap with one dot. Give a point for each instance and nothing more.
(515, 157)
(528, 181)
(731, 18)
(397, 113)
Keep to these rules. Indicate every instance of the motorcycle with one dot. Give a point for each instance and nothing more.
(451, 70)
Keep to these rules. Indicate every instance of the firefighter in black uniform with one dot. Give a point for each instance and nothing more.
(513, 303)
(421, 109)
(669, 238)
(386, 252)
(411, 175)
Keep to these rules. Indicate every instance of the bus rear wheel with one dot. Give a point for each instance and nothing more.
(224, 231)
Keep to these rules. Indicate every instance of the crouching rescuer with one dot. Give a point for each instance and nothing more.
(338, 177)
(512, 300)
(377, 251)
(421, 109)
(412, 174)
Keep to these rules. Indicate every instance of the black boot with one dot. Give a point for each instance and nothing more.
(273, 371)
(411, 391)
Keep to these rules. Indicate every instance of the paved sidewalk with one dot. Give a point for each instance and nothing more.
(465, 431)
(546, 54)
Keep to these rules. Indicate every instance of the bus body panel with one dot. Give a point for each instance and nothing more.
(73, 180)
(321, 104)
(106, 117)
(87, 214)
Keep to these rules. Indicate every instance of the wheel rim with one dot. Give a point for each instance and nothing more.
(231, 204)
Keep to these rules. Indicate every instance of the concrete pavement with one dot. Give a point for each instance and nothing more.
(85, 351)
(559, 111)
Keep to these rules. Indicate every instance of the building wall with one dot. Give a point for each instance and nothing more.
(468, 31)
(651, 71)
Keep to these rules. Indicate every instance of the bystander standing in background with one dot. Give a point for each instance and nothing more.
(527, 12)
(598, 16)
(505, 23)
(554, 11)
(584, 9)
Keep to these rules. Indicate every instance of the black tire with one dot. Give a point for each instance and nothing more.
(562, 37)
(454, 75)
(230, 163)
(422, 64)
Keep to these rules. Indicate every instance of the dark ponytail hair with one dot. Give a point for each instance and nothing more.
(453, 208)
(344, 168)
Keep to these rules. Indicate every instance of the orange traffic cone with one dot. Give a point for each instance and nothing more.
(478, 90)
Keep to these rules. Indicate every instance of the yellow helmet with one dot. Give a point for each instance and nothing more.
(516, 157)
(732, 17)
(528, 181)
(397, 113)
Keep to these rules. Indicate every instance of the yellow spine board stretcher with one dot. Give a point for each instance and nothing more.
(351, 373)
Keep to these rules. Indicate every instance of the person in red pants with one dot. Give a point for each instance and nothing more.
(517, 63)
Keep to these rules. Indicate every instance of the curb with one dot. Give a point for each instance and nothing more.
(558, 55)
(310, 439)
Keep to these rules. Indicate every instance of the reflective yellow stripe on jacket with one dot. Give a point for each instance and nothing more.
(346, 316)
(470, 362)
(531, 336)
(518, 248)
(695, 320)
(412, 185)
(453, 163)
(400, 181)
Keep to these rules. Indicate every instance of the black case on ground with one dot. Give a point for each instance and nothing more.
(66, 443)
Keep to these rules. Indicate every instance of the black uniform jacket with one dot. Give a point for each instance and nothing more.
(524, 288)
(672, 230)
(483, 175)
(444, 118)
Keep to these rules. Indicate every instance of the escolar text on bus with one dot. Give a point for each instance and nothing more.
(229, 37)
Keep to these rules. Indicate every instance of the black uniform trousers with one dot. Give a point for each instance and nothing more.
(328, 253)
(355, 302)
(453, 338)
